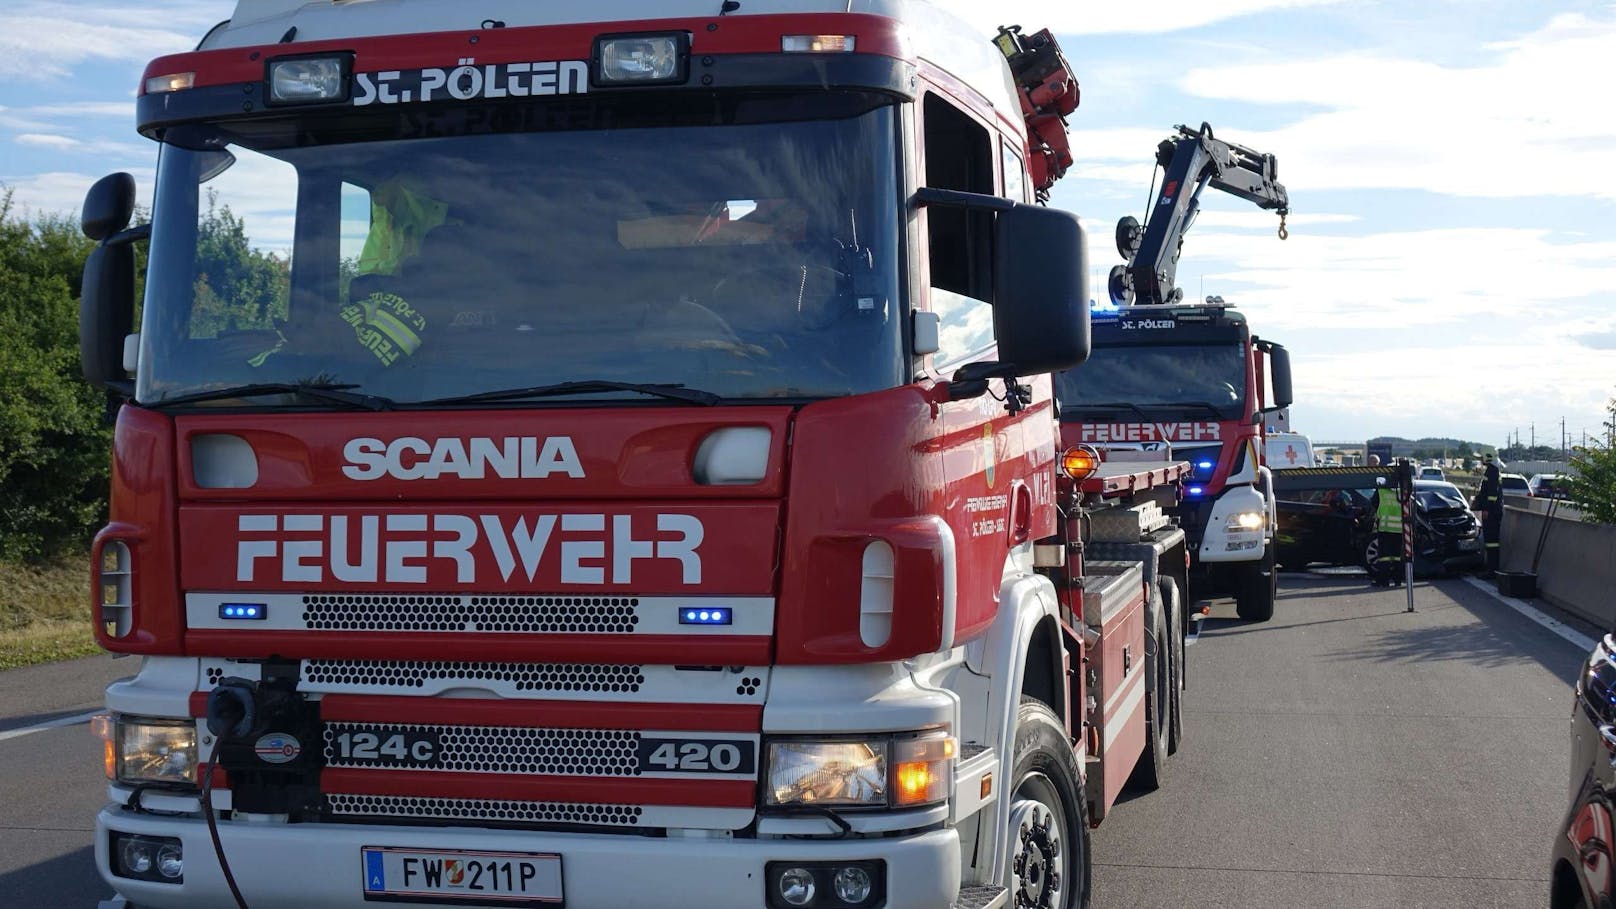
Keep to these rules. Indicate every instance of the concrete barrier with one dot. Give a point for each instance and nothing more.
(1578, 569)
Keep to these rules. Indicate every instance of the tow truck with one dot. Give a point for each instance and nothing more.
(607, 457)
(1191, 378)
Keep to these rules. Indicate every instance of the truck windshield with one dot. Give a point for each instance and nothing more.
(1183, 377)
(746, 247)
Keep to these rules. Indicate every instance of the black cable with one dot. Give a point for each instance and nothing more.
(213, 828)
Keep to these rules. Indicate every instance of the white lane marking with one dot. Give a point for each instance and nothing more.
(53, 724)
(1521, 606)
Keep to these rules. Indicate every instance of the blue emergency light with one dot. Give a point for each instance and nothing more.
(1103, 310)
(716, 615)
(1196, 491)
(243, 611)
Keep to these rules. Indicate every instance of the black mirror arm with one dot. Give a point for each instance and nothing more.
(132, 235)
(927, 195)
(971, 381)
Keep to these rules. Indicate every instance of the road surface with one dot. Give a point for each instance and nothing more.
(1345, 754)
(1348, 754)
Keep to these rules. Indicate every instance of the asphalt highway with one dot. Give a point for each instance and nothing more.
(1346, 754)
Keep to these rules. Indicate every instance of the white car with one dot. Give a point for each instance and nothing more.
(1431, 473)
(1513, 484)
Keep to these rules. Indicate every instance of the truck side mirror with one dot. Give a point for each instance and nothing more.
(106, 315)
(1279, 360)
(1040, 292)
(108, 206)
(107, 300)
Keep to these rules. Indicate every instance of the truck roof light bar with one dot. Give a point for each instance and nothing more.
(818, 44)
(658, 59)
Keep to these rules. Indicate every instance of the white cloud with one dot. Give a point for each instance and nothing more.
(1524, 122)
(62, 192)
(1428, 277)
(45, 140)
(1072, 18)
(44, 40)
(1268, 221)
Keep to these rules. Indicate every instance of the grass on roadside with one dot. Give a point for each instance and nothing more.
(44, 612)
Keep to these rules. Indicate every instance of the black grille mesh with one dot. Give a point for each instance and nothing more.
(504, 749)
(524, 676)
(483, 810)
(448, 612)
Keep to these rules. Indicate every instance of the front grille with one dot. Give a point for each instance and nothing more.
(523, 676)
(450, 612)
(502, 749)
(482, 810)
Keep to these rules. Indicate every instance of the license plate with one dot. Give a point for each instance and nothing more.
(467, 878)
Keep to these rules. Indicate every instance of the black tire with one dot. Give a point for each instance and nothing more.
(1173, 609)
(1045, 773)
(1259, 587)
(1151, 771)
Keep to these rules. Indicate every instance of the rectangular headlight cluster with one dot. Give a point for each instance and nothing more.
(309, 80)
(141, 750)
(642, 59)
(902, 771)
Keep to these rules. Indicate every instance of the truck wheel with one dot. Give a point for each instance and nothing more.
(1048, 838)
(1259, 587)
(1173, 609)
(1151, 771)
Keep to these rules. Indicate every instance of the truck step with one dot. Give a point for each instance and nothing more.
(982, 896)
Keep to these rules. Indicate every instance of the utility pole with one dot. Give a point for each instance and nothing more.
(1562, 439)
(1533, 427)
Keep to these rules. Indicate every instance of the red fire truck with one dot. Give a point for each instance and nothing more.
(607, 458)
(1191, 378)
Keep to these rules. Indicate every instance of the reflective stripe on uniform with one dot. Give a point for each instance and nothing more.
(399, 333)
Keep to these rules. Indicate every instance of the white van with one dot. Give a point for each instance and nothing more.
(1287, 449)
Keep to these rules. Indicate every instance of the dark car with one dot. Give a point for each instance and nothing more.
(1337, 526)
(1583, 858)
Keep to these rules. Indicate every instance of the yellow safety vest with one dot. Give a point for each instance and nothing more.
(1388, 512)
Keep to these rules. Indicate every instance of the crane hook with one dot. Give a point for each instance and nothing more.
(1284, 234)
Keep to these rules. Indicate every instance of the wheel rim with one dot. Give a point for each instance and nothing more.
(1038, 845)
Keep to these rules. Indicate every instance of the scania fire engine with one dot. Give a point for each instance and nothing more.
(1191, 378)
(606, 457)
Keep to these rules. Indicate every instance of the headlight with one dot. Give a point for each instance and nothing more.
(156, 751)
(827, 773)
(641, 59)
(1247, 520)
(904, 771)
(306, 80)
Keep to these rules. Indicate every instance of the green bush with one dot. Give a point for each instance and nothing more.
(1592, 487)
(53, 436)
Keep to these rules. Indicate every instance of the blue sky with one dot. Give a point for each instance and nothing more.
(1452, 257)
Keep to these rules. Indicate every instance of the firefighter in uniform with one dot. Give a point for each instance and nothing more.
(385, 324)
(1489, 502)
(1387, 569)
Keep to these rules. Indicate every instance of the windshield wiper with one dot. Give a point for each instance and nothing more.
(672, 392)
(1201, 404)
(1107, 405)
(330, 393)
